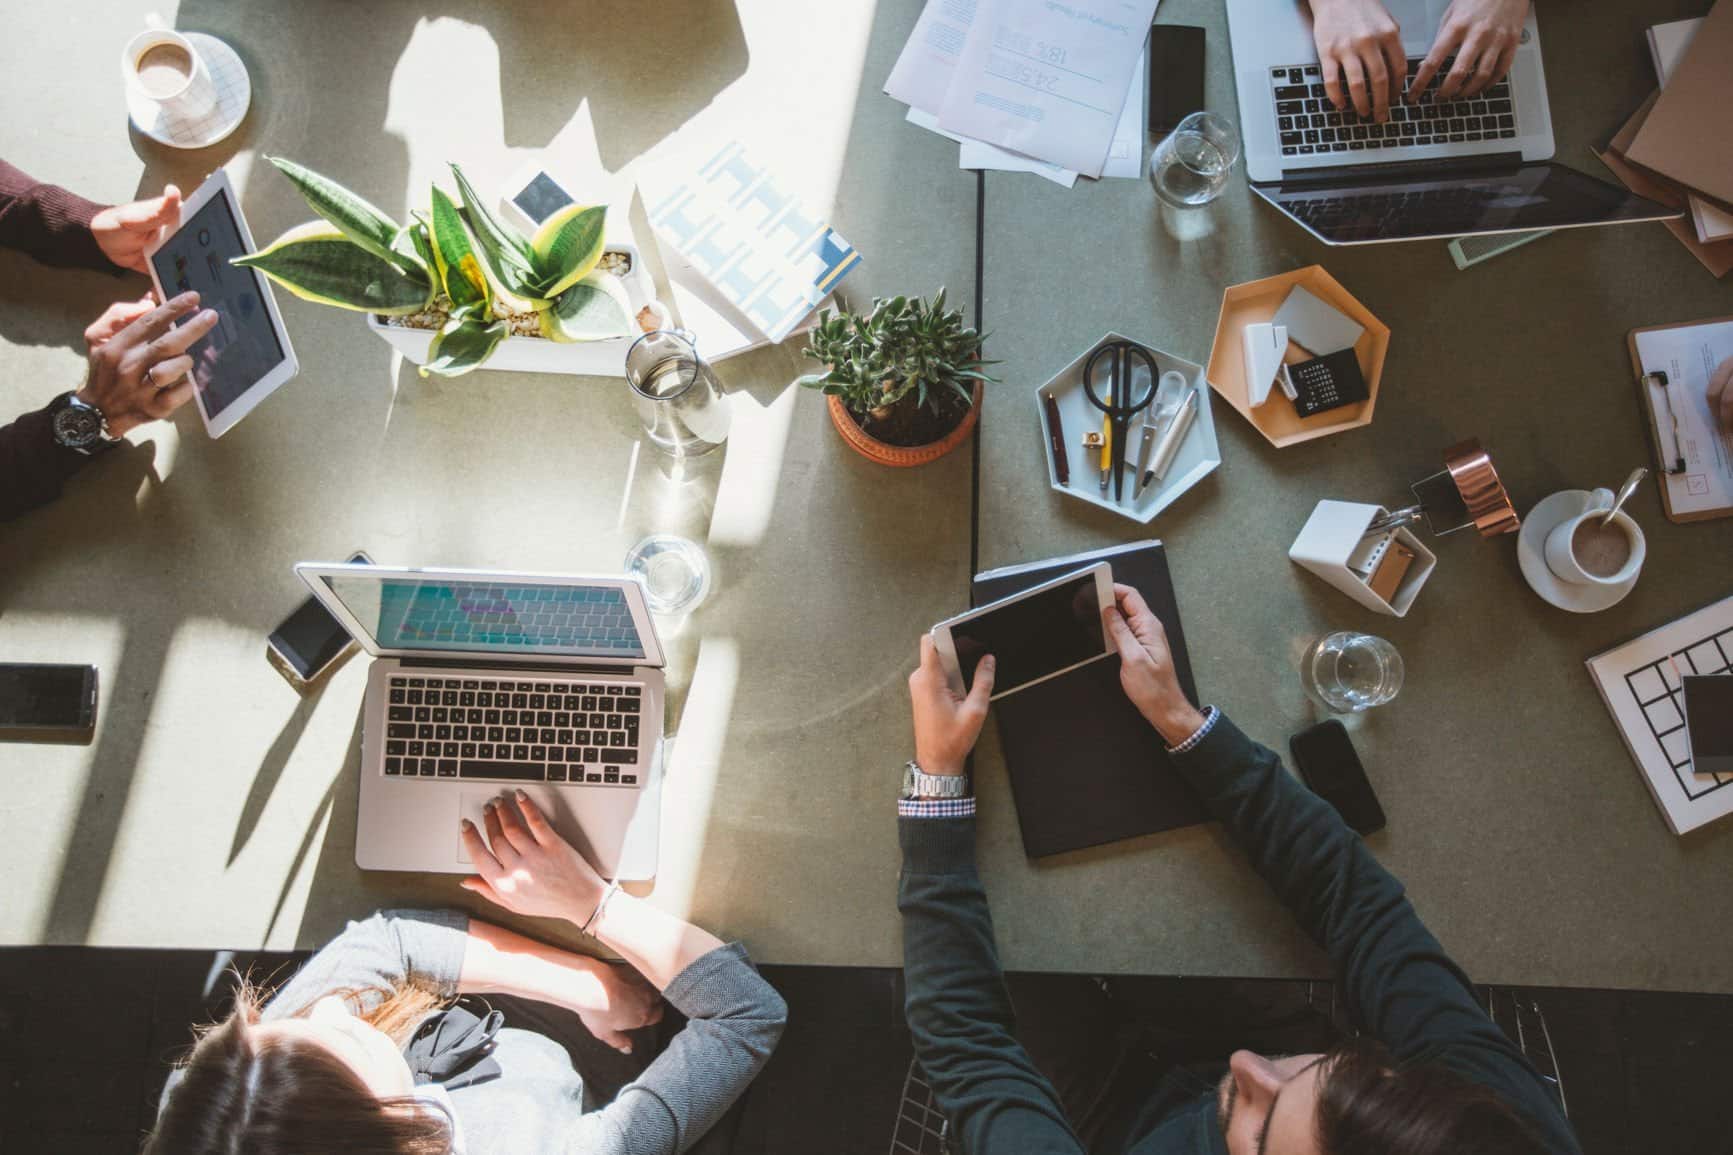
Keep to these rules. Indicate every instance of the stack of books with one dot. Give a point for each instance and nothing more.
(1678, 147)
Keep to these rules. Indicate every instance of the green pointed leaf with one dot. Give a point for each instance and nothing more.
(461, 346)
(459, 271)
(415, 239)
(568, 246)
(355, 216)
(591, 310)
(508, 254)
(318, 263)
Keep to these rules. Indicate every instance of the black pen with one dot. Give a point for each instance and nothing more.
(1056, 439)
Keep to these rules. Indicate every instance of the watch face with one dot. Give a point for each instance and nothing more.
(78, 426)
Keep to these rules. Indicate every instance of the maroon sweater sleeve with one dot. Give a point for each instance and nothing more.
(48, 222)
(33, 466)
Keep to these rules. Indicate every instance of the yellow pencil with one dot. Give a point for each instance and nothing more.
(1106, 451)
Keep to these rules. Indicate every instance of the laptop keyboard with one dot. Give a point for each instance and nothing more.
(1309, 124)
(506, 729)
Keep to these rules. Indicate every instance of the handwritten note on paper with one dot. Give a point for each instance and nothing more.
(1688, 355)
(1047, 78)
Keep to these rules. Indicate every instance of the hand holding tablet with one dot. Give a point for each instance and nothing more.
(1034, 635)
(244, 354)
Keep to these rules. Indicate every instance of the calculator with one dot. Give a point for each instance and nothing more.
(1327, 382)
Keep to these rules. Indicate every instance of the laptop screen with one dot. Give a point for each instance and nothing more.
(500, 618)
(1372, 207)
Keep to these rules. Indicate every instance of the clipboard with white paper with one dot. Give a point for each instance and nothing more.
(1694, 455)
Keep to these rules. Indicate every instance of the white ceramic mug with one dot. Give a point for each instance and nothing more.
(1561, 556)
(188, 102)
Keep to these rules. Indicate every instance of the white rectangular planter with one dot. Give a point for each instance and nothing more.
(1329, 539)
(538, 354)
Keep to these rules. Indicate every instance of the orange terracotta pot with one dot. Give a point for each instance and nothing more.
(902, 456)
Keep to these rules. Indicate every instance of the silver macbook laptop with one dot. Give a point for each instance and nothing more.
(490, 682)
(1435, 169)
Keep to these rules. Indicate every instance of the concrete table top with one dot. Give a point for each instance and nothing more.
(216, 807)
(1516, 817)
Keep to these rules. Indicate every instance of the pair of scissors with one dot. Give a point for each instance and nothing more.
(1122, 358)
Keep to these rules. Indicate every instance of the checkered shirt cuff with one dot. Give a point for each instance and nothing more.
(1210, 714)
(936, 807)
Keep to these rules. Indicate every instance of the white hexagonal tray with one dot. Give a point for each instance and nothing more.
(1198, 455)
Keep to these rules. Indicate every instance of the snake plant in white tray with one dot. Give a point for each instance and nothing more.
(456, 289)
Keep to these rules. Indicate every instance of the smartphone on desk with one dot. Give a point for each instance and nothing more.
(1328, 764)
(1175, 75)
(310, 643)
(47, 702)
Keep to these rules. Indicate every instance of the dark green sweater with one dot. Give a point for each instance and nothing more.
(1396, 981)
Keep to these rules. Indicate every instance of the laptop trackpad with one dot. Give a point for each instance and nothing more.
(553, 803)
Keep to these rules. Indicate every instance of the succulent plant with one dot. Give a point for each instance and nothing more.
(903, 347)
(356, 257)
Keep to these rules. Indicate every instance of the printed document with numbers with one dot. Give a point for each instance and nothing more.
(1047, 78)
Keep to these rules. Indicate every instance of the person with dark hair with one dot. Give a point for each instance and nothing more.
(138, 363)
(1430, 1074)
(365, 1051)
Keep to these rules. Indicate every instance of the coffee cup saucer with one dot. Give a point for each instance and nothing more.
(1577, 597)
(234, 94)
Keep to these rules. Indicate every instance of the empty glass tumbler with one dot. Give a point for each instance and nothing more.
(1191, 165)
(680, 401)
(1350, 672)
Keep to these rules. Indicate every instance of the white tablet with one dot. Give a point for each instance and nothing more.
(1035, 635)
(243, 360)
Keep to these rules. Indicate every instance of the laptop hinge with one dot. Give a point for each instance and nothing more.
(493, 663)
(1488, 164)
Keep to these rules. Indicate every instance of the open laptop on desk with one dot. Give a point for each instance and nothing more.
(1434, 170)
(486, 683)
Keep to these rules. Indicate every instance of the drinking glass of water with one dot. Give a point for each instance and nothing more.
(1190, 166)
(680, 401)
(1351, 672)
(675, 571)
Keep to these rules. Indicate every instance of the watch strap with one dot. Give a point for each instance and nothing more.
(917, 783)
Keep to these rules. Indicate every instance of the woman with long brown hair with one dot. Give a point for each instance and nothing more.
(359, 1053)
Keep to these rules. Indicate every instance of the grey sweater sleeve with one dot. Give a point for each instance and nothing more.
(734, 1021)
(376, 955)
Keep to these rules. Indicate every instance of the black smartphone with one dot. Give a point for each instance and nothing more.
(1175, 75)
(310, 643)
(47, 700)
(1327, 762)
(1709, 722)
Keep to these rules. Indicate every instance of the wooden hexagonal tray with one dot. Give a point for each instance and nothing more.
(1257, 301)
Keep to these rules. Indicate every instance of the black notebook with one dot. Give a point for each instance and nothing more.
(1085, 766)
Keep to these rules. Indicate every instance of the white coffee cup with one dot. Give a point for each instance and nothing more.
(1561, 549)
(189, 100)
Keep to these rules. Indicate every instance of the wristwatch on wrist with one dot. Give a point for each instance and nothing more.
(917, 783)
(78, 425)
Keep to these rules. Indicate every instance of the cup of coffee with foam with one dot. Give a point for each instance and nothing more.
(1590, 550)
(163, 66)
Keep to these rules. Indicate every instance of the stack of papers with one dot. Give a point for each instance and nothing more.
(1053, 87)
